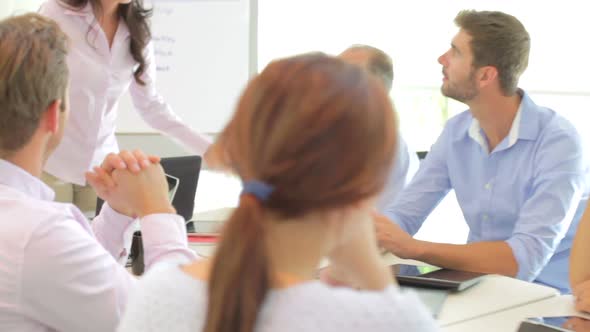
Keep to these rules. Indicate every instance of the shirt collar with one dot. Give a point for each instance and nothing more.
(87, 13)
(524, 126)
(84, 11)
(21, 180)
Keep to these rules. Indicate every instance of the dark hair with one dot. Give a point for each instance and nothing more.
(499, 40)
(137, 19)
(33, 74)
(379, 63)
(321, 132)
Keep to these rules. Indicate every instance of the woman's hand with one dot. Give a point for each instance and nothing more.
(582, 295)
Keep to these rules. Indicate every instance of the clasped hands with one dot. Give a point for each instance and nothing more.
(132, 183)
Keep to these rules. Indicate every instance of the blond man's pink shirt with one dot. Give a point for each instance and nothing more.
(58, 273)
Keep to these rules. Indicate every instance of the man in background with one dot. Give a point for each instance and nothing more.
(406, 162)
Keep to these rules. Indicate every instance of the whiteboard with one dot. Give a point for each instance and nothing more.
(205, 54)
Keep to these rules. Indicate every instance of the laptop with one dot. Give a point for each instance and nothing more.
(435, 277)
(182, 174)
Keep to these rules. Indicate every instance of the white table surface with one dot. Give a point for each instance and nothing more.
(509, 320)
(217, 194)
(493, 294)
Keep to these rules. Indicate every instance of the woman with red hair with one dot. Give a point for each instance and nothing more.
(312, 140)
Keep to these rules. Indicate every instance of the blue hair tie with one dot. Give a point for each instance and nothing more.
(259, 189)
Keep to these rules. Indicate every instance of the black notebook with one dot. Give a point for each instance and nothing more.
(434, 277)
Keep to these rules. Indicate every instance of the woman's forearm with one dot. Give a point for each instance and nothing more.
(580, 255)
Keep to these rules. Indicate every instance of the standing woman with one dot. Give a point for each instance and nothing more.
(110, 52)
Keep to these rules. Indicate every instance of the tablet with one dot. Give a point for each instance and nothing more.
(435, 277)
(553, 324)
(173, 183)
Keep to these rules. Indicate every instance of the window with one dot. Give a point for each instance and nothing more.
(415, 33)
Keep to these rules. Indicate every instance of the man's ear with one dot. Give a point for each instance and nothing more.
(487, 75)
(50, 120)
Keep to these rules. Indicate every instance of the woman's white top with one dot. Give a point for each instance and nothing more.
(167, 299)
(99, 76)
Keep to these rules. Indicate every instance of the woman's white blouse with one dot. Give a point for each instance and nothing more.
(167, 299)
(99, 76)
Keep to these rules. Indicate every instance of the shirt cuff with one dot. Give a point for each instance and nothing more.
(164, 238)
(118, 222)
(523, 255)
(162, 228)
(399, 221)
(115, 232)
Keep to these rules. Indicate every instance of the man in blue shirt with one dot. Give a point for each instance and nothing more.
(517, 168)
(406, 161)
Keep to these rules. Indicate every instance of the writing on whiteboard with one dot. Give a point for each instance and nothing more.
(202, 58)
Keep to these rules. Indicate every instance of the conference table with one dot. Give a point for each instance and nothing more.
(496, 303)
(493, 294)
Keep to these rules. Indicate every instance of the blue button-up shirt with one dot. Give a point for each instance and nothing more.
(530, 191)
(403, 168)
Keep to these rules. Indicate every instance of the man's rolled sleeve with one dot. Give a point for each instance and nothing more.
(556, 192)
(531, 255)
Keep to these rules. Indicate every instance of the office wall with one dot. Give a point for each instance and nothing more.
(10, 7)
(151, 143)
(5, 8)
